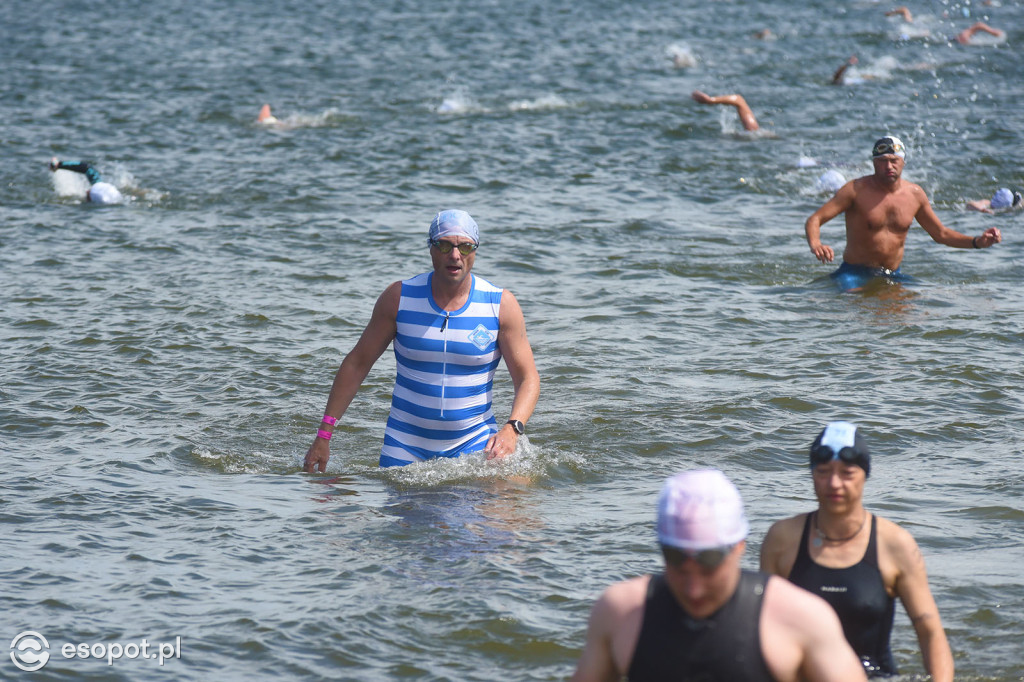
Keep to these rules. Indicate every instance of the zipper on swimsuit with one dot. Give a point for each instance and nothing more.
(444, 359)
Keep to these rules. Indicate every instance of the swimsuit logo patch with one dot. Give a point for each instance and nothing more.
(481, 337)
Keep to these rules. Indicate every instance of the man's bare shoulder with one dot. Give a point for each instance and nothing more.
(626, 595)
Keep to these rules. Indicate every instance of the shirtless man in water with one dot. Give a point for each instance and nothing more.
(879, 210)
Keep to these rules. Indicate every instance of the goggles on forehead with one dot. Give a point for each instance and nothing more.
(887, 146)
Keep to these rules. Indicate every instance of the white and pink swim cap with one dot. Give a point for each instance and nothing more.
(700, 510)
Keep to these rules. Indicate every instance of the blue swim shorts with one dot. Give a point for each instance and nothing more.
(849, 277)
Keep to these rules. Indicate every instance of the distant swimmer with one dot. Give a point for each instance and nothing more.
(840, 78)
(742, 108)
(450, 331)
(265, 117)
(100, 192)
(830, 181)
(682, 56)
(966, 36)
(880, 209)
(1001, 202)
(901, 11)
(704, 617)
(764, 34)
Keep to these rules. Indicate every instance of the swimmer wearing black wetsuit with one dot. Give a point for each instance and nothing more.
(858, 595)
(725, 646)
(91, 174)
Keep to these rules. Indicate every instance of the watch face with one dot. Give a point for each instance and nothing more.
(517, 426)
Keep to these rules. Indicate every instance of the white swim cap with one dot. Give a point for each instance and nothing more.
(831, 180)
(700, 510)
(890, 144)
(454, 222)
(105, 193)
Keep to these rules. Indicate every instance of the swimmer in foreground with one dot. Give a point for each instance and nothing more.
(705, 618)
(1001, 202)
(965, 36)
(745, 113)
(880, 209)
(450, 330)
(100, 192)
(857, 561)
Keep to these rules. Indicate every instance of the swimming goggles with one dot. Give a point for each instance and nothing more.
(705, 558)
(886, 146)
(823, 454)
(465, 248)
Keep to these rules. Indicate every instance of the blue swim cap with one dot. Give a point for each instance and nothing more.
(1003, 198)
(454, 222)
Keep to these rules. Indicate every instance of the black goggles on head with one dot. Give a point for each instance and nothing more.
(882, 148)
(823, 454)
(705, 558)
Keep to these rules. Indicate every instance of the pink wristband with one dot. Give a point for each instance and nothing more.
(328, 419)
(326, 435)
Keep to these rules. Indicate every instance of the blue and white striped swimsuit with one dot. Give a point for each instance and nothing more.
(441, 404)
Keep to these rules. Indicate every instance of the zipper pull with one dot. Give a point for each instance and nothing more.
(444, 323)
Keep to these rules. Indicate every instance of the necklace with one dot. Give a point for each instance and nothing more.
(820, 537)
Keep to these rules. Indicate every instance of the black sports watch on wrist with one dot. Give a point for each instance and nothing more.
(517, 426)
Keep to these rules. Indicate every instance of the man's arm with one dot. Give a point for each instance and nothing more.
(376, 338)
(596, 663)
(841, 201)
(612, 632)
(943, 235)
(515, 349)
(912, 589)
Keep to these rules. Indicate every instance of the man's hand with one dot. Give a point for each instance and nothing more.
(989, 237)
(502, 444)
(823, 253)
(317, 456)
(54, 163)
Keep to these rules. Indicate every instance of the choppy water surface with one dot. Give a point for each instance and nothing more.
(164, 363)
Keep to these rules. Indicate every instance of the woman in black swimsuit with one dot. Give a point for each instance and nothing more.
(856, 561)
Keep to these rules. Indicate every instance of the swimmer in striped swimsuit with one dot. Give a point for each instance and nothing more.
(450, 331)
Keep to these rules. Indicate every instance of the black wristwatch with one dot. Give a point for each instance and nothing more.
(517, 426)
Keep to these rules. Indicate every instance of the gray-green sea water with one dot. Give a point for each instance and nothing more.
(164, 364)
